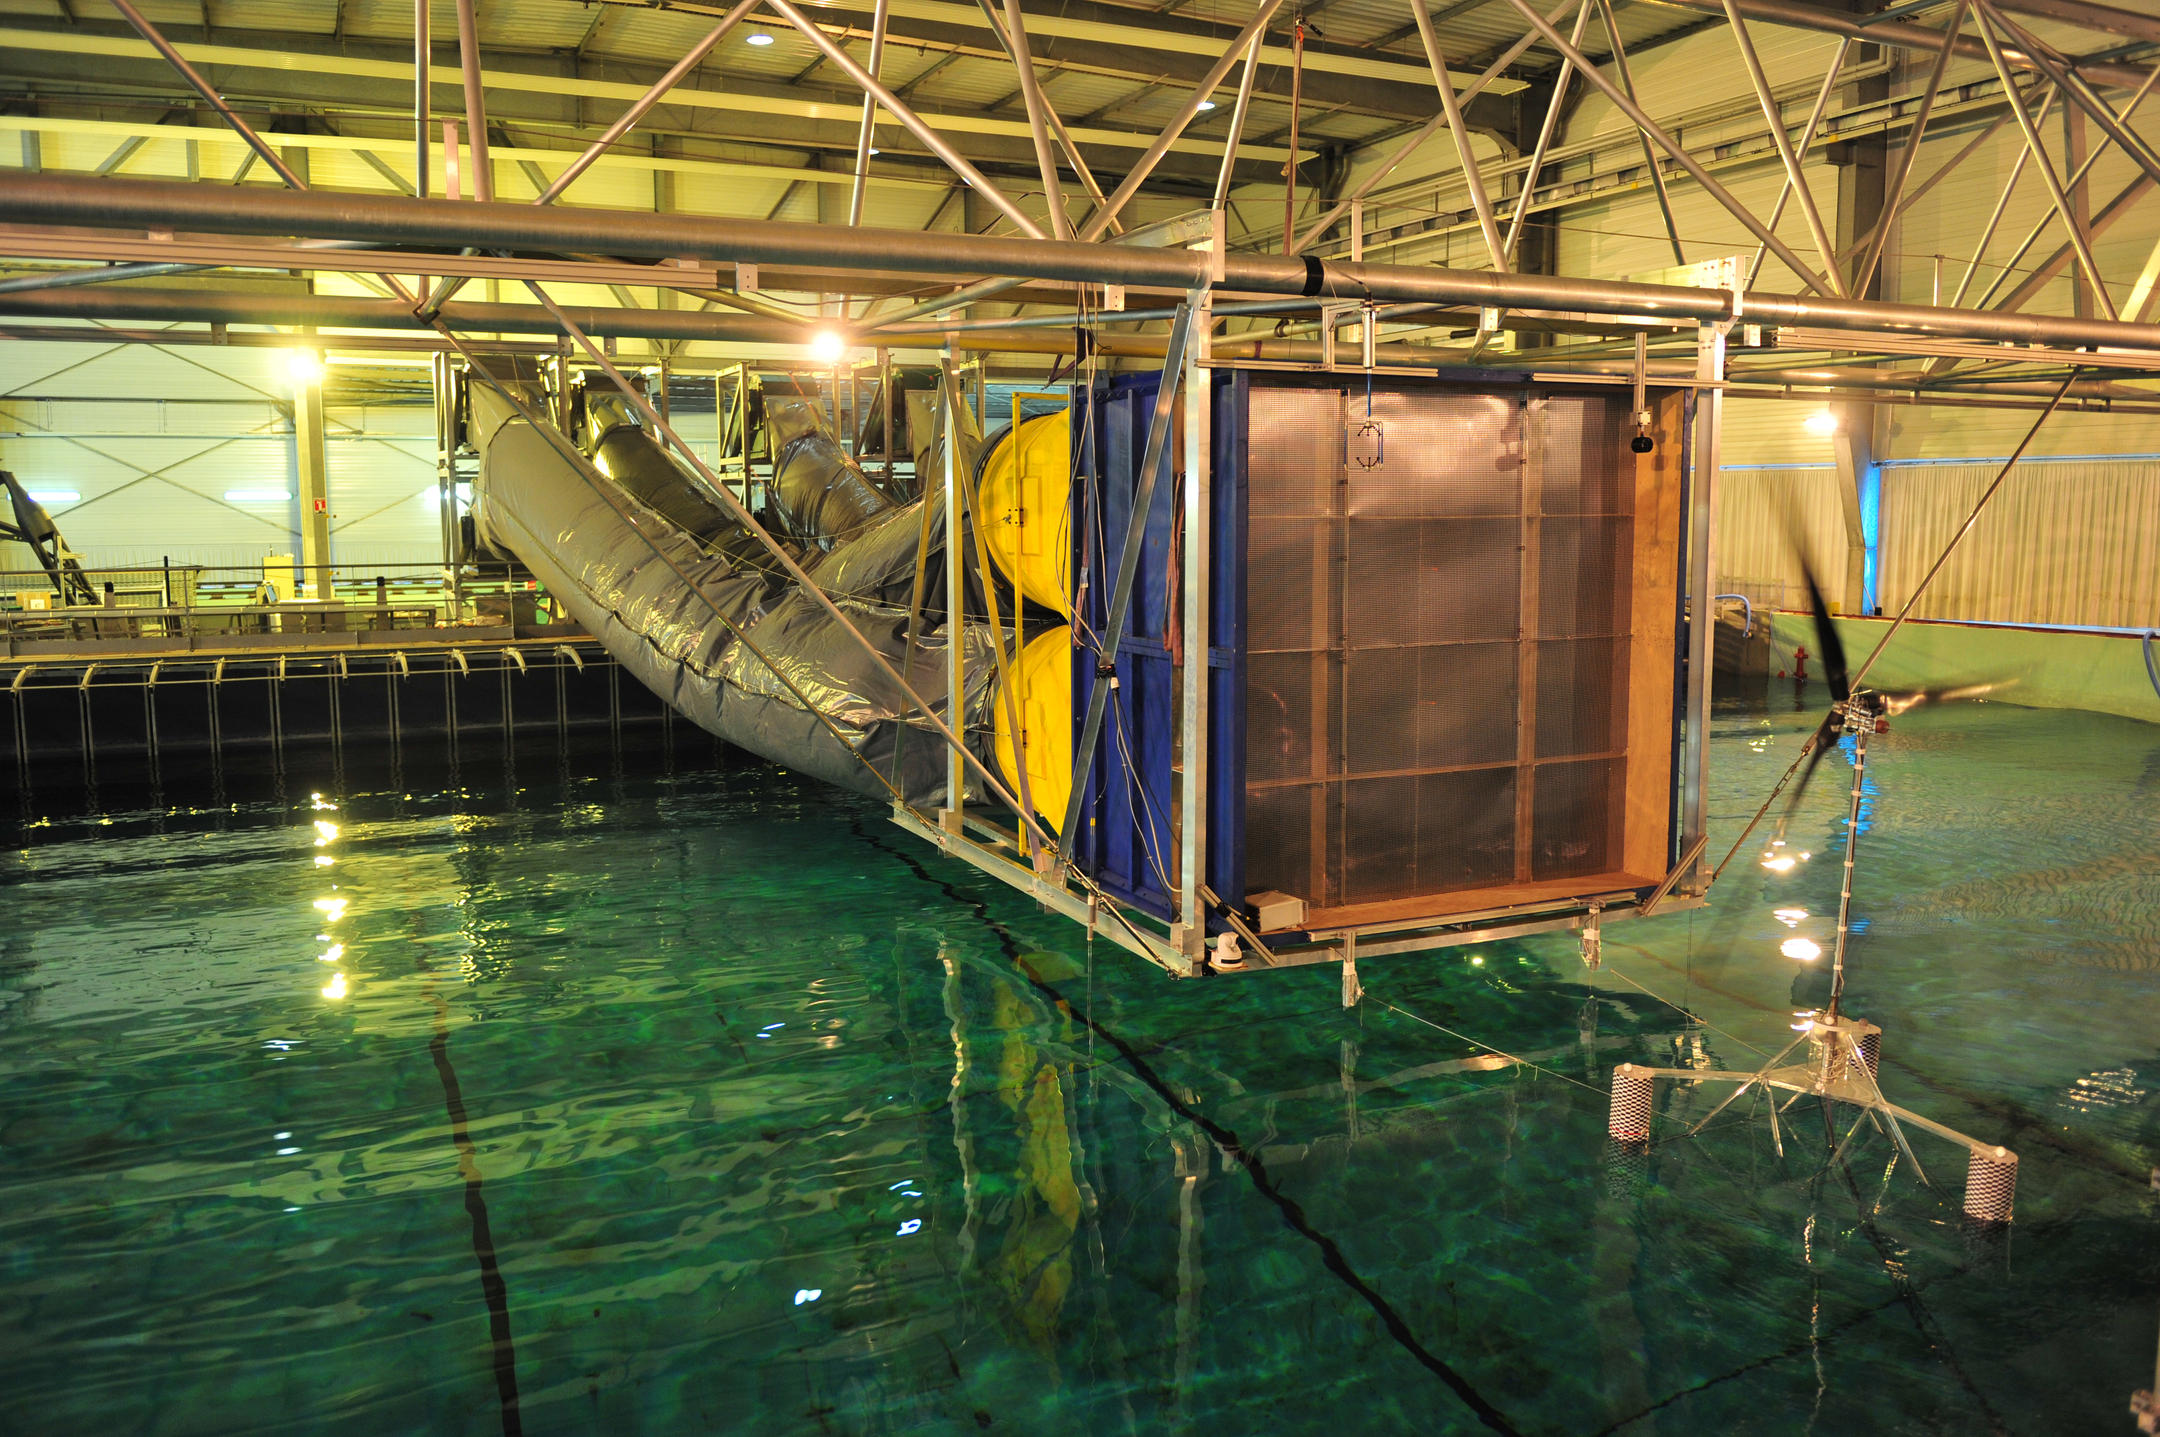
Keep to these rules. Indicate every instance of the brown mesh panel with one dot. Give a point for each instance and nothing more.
(1278, 840)
(1583, 570)
(1279, 690)
(1574, 824)
(1436, 707)
(1579, 684)
(1429, 581)
(1391, 706)
(1291, 609)
(1590, 437)
(1442, 455)
(1296, 456)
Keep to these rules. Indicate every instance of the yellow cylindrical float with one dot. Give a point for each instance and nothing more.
(1023, 501)
(1042, 678)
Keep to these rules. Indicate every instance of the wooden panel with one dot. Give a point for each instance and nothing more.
(1658, 489)
(1475, 900)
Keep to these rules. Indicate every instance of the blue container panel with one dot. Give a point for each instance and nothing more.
(1126, 840)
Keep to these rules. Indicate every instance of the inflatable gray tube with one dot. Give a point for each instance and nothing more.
(681, 640)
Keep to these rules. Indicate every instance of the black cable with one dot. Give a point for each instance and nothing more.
(1248, 1161)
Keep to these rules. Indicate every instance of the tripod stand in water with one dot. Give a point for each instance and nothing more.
(1842, 1053)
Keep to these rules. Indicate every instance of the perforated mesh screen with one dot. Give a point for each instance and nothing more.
(1437, 625)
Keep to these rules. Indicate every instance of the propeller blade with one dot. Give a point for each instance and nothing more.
(1825, 739)
(1899, 702)
(1827, 642)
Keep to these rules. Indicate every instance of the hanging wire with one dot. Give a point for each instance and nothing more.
(1502, 1052)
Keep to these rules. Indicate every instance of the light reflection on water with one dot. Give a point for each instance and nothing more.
(708, 1103)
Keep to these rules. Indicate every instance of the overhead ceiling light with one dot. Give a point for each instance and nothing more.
(759, 37)
(305, 366)
(1207, 104)
(873, 149)
(1822, 422)
(827, 347)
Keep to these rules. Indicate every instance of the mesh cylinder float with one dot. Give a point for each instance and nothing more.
(1991, 1184)
(1631, 1092)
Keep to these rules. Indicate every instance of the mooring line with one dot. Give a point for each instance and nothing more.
(1248, 1162)
(492, 1288)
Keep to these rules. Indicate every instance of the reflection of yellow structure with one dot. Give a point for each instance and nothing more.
(1024, 503)
(1042, 678)
(1035, 1264)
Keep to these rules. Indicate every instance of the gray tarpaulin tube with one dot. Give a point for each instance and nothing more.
(533, 502)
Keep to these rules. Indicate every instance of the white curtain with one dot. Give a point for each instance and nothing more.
(1766, 518)
(2072, 542)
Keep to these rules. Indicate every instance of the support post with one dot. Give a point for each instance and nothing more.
(468, 34)
(1702, 524)
(869, 112)
(422, 96)
(949, 817)
(1193, 716)
(310, 465)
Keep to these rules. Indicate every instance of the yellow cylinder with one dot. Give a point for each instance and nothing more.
(1023, 504)
(1042, 684)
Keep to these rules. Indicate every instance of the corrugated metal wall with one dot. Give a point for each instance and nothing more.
(158, 442)
(2064, 542)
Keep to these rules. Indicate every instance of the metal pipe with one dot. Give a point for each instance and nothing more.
(1650, 159)
(1794, 181)
(1807, 138)
(468, 37)
(1425, 132)
(102, 274)
(869, 112)
(644, 103)
(2046, 166)
(422, 98)
(1865, 273)
(210, 95)
(1152, 156)
(1479, 200)
(898, 109)
(1038, 129)
(1544, 141)
(2091, 16)
(2002, 203)
(1898, 34)
(1237, 125)
(1672, 147)
(1057, 126)
(2081, 94)
(82, 201)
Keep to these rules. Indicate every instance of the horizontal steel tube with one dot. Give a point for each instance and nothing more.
(444, 224)
(205, 306)
(1897, 33)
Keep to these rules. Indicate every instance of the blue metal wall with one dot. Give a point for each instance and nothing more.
(1126, 836)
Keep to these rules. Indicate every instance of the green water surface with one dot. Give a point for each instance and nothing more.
(709, 1102)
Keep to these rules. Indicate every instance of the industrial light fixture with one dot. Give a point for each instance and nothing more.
(1207, 104)
(304, 365)
(759, 37)
(827, 346)
(1822, 422)
(258, 496)
(54, 496)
